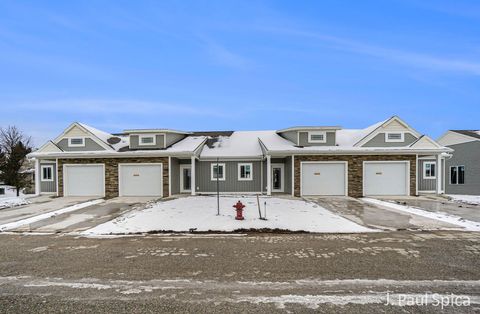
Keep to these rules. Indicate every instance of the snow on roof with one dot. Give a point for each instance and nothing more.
(102, 135)
(349, 137)
(188, 144)
(239, 144)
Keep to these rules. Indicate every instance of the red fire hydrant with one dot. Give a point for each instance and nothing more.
(239, 208)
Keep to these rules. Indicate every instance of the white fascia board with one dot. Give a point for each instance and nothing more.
(361, 152)
(307, 128)
(138, 131)
(112, 154)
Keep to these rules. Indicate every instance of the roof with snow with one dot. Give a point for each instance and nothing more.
(239, 144)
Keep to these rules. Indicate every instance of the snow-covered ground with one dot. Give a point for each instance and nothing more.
(10, 199)
(200, 212)
(467, 199)
(452, 219)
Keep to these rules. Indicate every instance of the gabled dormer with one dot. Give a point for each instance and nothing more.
(146, 139)
(393, 132)
(305, 136)
(80, 137)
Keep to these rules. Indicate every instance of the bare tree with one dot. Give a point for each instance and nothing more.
(14, 147)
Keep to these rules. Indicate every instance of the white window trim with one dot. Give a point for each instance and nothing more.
(310, 133)
(251, 171)
(450, 175)
(142, 136)
(425, 163)
(401, 140)
(41, 173)
(70, 144)
(211, 171)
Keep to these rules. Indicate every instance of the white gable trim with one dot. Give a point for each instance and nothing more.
(372, 134)
(50, 147)
(425, 142)
(93, 136)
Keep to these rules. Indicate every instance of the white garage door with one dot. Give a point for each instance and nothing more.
(385, 178)
(320, 178)
(84, 180)
(140, 180)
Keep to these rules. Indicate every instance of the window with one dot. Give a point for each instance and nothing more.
(220, 172)
(76, 142)
(147, 139)
(245, 172)
(457, 175)
(47, 173)
(394, 137)
(429, 170)
(317, 137)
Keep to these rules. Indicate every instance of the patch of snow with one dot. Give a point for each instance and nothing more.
(10, 199)
(452, 219)
(200, 213)
(467, 199)
(16, 224)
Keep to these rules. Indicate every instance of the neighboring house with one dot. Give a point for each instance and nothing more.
(301, 161)
(463, 168)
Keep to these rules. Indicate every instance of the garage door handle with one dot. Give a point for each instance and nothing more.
(136, 175)
(316, 173)
(379, 173)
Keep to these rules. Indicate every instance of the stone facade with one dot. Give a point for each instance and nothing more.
(355, 169)
(111, 171)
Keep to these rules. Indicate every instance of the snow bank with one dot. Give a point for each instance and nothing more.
(200, 212)
(467, 199)
(452, 219)
(16, 224)
(10, 199)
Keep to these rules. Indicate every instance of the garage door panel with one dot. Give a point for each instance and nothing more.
(84, 180)
(140, 180)
(323, 179)
(386, 178)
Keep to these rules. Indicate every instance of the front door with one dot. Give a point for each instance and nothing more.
(185, 178)
(278, 177)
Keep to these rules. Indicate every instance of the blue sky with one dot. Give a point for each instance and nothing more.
(221, 65)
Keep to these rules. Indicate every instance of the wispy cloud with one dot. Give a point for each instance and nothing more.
(109, 106)
(410, 58)
(224, 56)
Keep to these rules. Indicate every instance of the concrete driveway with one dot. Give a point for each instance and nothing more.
(39, 205)
(87, 217)
(373, 216)
(439, 204)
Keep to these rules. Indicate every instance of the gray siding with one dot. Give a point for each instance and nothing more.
(159, 142)
(49, 186)
(231, 184)
(379, 141)
(175, 173)
(291, 136)
(90, 145)
(426, 184)
(468, 155)
(303, 136)
(173, 138)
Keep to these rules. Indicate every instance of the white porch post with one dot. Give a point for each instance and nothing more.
(269, 175)
(193, 186)
(293, 175)
(169, 176)
(37, 176)
(438, 169)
